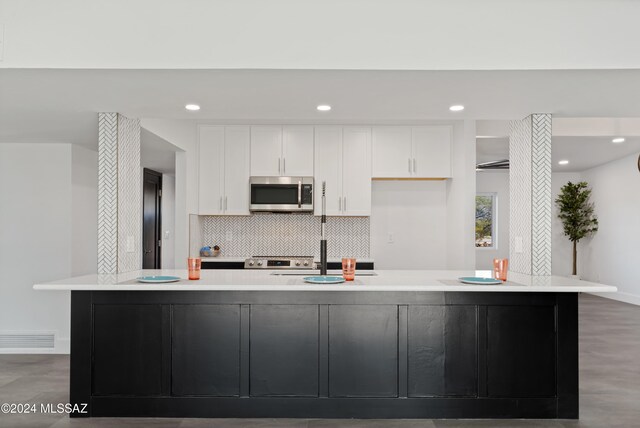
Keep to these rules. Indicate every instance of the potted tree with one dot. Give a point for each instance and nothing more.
(576, 214)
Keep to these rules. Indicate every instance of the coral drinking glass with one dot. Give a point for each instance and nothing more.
(500, 268)
(194, 264)
(348, 269)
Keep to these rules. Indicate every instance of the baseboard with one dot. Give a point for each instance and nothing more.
(633, 299)
(62, 346)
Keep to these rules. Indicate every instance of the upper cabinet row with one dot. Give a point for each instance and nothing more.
(282, 150)
(345, 157)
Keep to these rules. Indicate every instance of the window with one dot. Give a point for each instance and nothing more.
(486, 220)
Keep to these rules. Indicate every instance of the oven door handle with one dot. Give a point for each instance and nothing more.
(299, 193)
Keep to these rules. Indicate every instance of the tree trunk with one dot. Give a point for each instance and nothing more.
(575, 257)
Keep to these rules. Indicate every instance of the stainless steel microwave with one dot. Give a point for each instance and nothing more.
(281, 194)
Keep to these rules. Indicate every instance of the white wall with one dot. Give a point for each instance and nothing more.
(328, 34)
(432, 222)
(168, 221)
(612, 256)
(182, 134)
(461, 192)
(415, 214)
(41, 239)
(84, 195)
(498, 183)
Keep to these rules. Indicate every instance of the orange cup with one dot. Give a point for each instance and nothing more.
(194, 264)
(500, 268)
(348, 269)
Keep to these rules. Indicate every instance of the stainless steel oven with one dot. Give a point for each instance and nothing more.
(281, 194)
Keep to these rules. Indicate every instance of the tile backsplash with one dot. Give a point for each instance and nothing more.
(286, 235)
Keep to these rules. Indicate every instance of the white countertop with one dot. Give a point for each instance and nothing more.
(262, 280)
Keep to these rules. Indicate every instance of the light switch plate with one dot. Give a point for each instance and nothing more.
(131, 244)
(518, 245)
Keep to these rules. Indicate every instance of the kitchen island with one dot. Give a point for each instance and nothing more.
(401, 344)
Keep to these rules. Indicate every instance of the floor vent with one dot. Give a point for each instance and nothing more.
(27, 341)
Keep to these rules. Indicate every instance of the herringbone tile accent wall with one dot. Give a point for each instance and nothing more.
(129, 194)
(119, 193)
(541, 194)
(530, 194)
(107, 193)
(286, 235)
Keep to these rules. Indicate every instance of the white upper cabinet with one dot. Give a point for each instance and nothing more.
(236, 171)
(431, 151)
(391, 146)
(297, 151)
(343, 161)
(328, 158)
(211, 169)
(282, 150)
(224, 170)
(266, 150)
(356, 171)
(412, 151)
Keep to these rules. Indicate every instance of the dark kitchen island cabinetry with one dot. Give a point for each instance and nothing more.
(325, 354)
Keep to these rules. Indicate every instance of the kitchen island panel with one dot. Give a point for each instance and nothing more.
(127, 350)
(521, 351)
(368, 335)
(205, 350)
(289, 368)
(443, 351)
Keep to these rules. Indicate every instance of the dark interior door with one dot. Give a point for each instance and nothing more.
(151, 228)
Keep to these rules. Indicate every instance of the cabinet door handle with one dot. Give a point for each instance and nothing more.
(415, 169)
(279, 171)
(299, 194)
(339, 203)
(220, 203)
(344, 204)
(284, 166)
(409, 165)
(225, 203)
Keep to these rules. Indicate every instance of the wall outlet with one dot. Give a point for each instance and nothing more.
(131, 244)
(167, 234)
(390, 238)
(518, 245)
(229, 235)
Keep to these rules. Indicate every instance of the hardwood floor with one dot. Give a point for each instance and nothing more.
(609, 385)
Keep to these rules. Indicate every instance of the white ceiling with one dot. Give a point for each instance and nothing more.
(40, 105)
(588, 152)
(322, 34)
(581, 152)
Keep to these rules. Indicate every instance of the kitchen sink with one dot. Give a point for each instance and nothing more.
(317, 272)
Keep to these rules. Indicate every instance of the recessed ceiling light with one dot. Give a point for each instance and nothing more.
(563, 162)
(192, 107)
(324, 107)
(457, 107)
(618, 140)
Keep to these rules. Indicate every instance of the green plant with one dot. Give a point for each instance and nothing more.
(576, 212)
